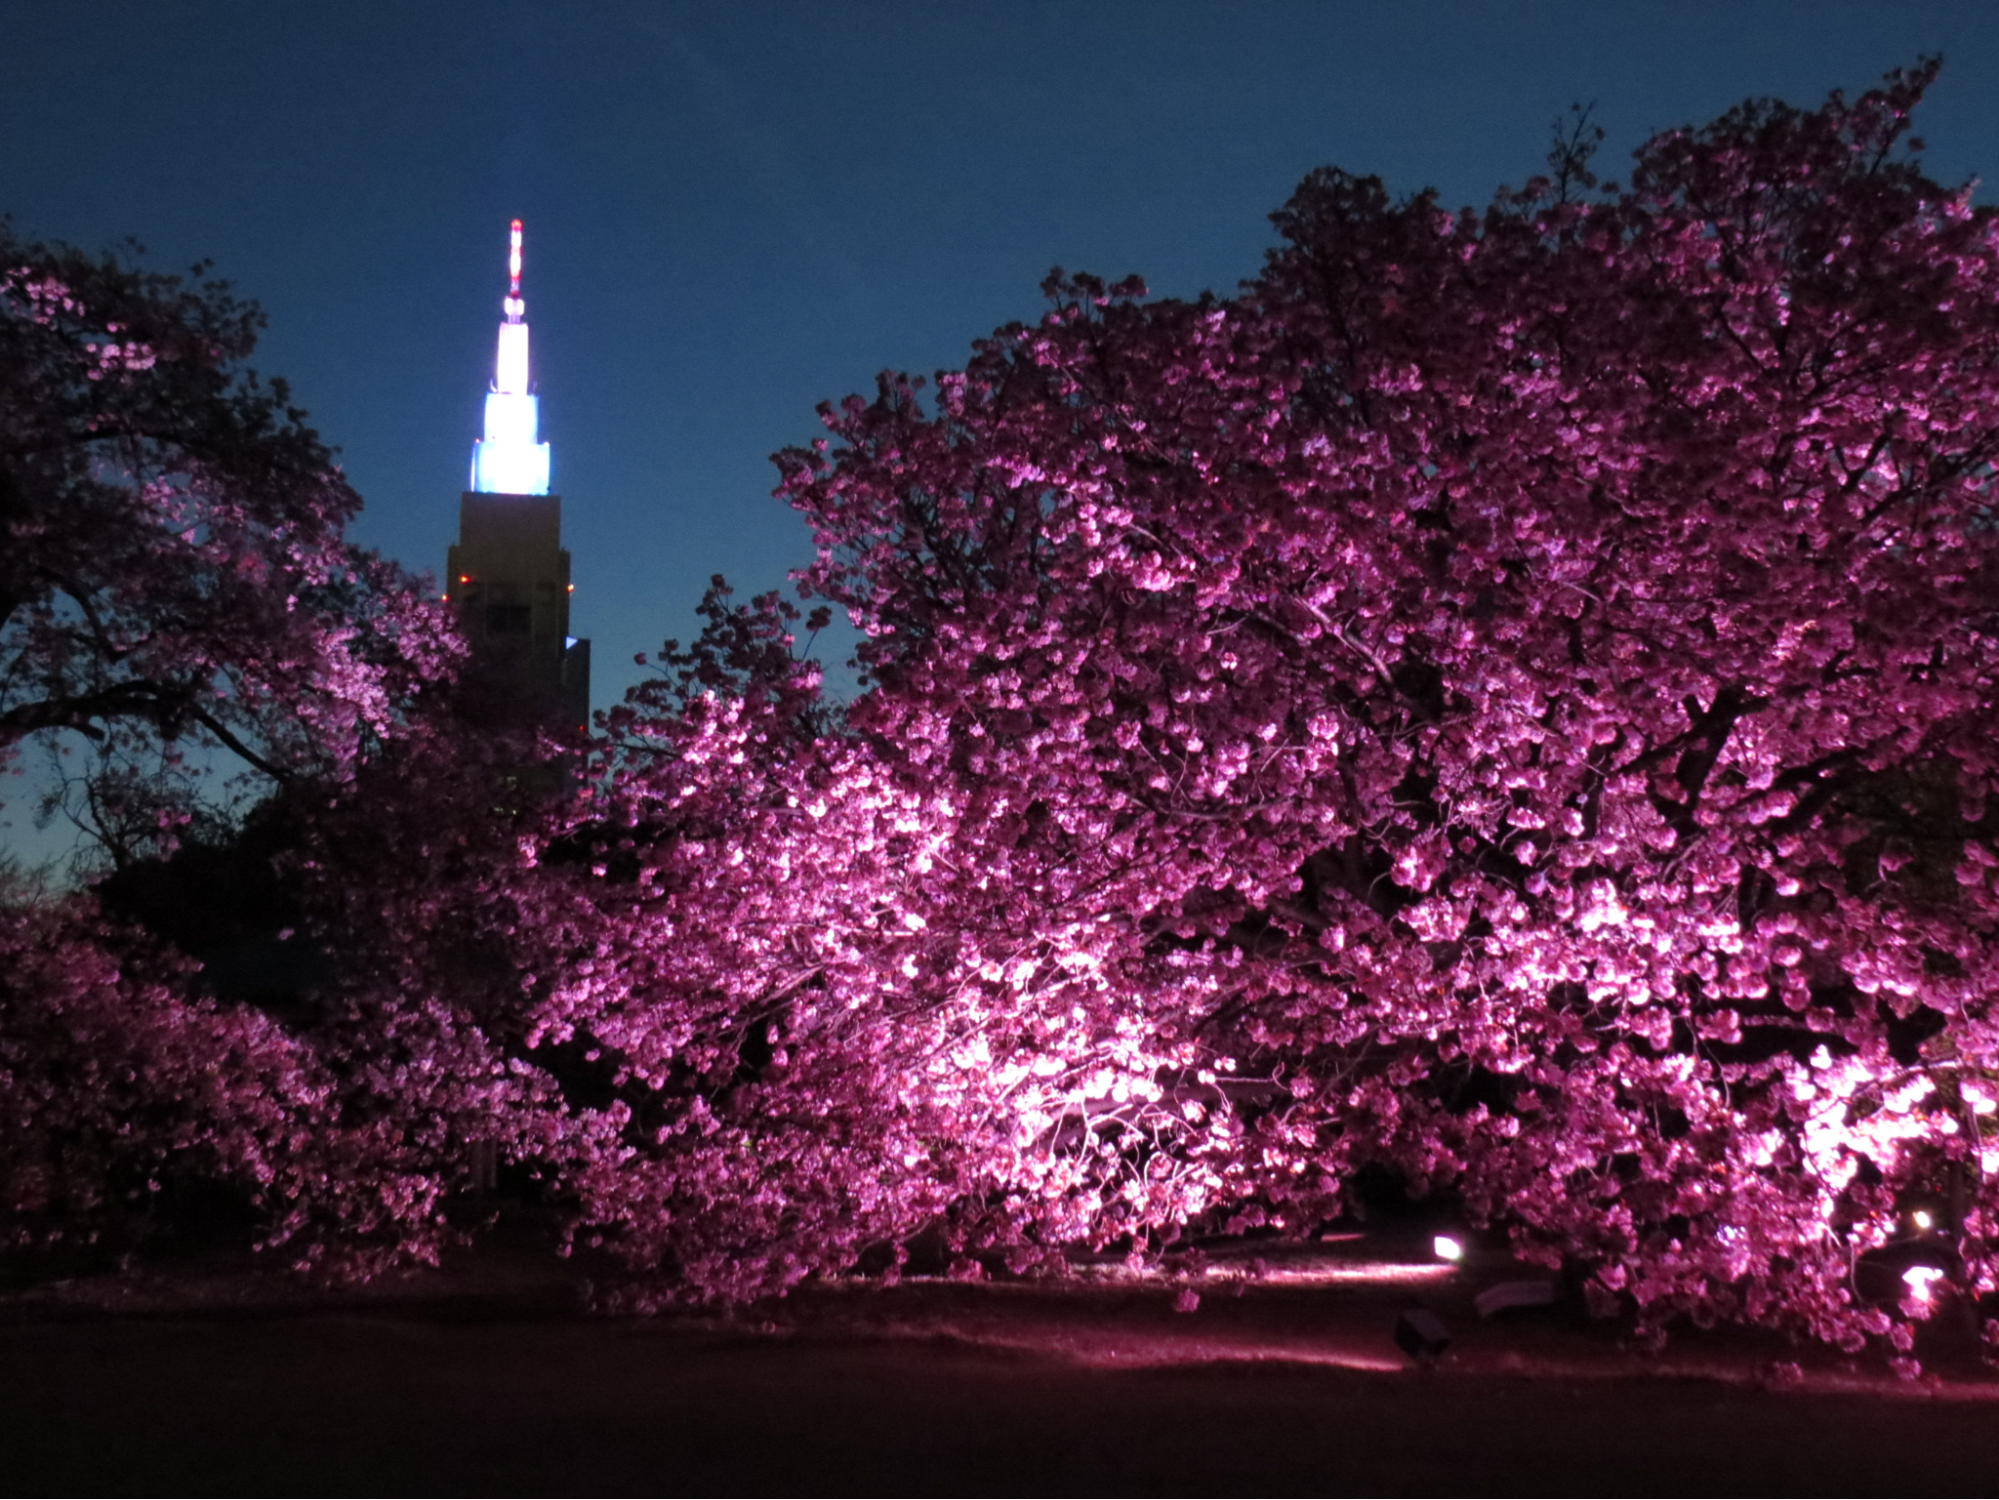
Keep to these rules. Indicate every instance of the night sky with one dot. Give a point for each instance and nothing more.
(735, 211)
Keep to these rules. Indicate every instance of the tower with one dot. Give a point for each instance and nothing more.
(508, 575)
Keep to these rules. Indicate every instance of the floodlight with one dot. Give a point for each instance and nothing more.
(1421, 1334)
(1921, 1282)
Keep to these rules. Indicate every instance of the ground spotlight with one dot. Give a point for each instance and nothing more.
(1448, 1247)
(1421, 1334)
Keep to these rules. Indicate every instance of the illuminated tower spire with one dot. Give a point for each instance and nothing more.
(507, 574)
(510, 459)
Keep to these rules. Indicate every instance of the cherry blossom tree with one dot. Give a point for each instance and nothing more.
(1506, 697)
(176, 599)
(133, 1104)
(175, 588)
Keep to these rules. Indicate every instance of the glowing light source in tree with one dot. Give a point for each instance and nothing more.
(1922, 1284)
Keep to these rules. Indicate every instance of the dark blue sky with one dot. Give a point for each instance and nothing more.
(738, 210)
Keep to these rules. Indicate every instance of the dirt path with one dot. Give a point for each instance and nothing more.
(442, 1399)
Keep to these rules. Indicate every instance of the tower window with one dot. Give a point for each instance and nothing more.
(508, 619)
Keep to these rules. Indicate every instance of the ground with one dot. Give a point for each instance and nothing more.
(489, 1380)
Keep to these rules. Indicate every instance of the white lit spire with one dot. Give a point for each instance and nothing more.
(510, 460)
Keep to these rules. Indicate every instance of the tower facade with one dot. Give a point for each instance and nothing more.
(508, 576)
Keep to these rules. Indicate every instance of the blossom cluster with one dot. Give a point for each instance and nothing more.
(1506, 698)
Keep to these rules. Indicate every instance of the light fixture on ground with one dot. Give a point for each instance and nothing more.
(1421, 1334)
